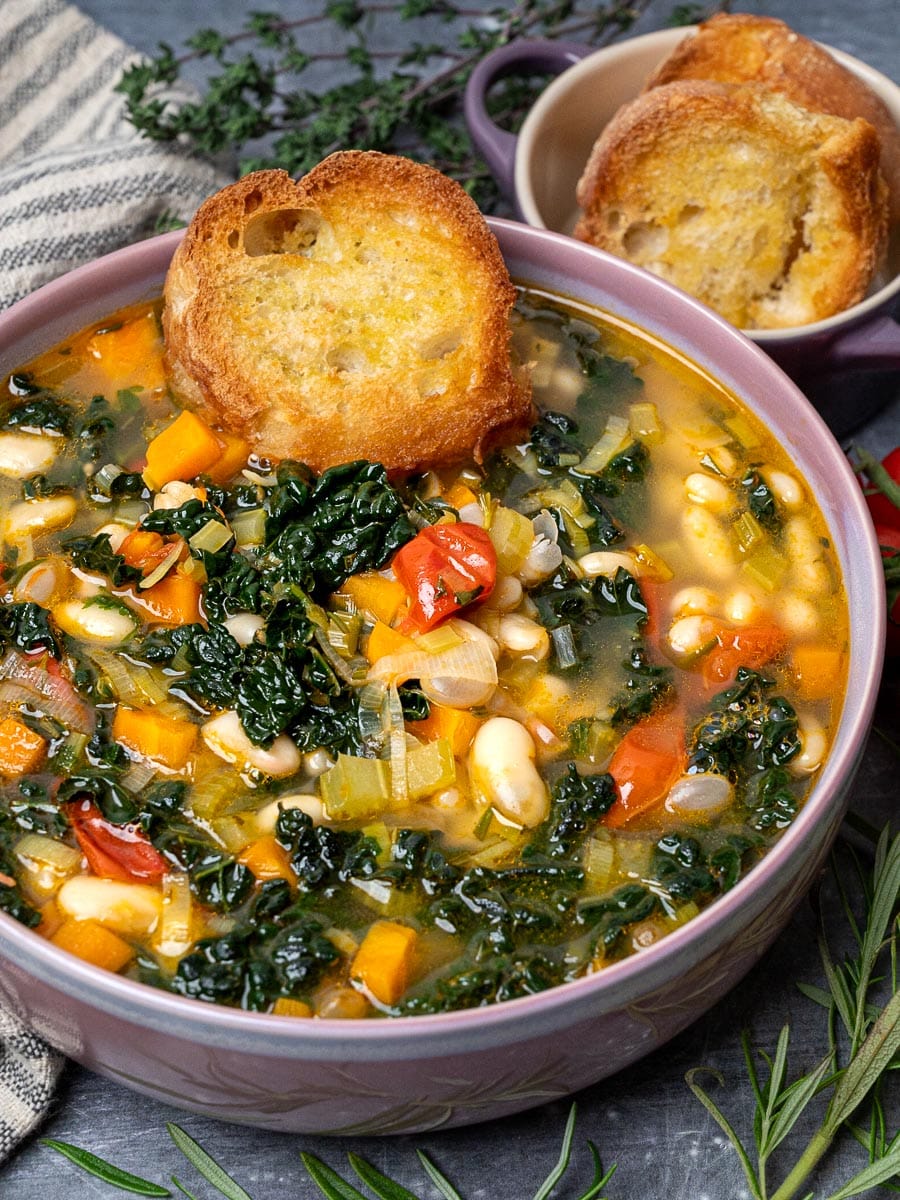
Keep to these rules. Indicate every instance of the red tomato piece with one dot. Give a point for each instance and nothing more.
(114, 851)
(751, 647)
(444, 569)
(646, 763)
(882, 508)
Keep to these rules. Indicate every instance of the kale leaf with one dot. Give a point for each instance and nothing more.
(30, 629)
(745, 730)
(578, 802)
(95, 554)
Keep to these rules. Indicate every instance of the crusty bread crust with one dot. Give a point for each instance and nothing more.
(773, 215)
(741, 48)
(361, 312)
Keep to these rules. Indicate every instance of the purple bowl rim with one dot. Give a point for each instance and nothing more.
(107, 991)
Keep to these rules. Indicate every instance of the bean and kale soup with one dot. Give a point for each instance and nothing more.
(345, 746)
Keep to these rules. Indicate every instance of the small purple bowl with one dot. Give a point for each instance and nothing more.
(417, 1073)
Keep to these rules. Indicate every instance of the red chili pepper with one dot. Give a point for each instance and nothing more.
(114, 851)
(883, 509)
(444, 569)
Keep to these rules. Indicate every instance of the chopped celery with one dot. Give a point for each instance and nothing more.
(766, 566)
(599, 860)
(235, 833)
(379, 832)
(355, 787)
(512, 535)
(634, 856)
(581, 543)
(524, 460)
(652, 563)
(564, 646)
(742, 430)
(343, 632)
(494, 854)
(614, 438)
(250, 527)
(748, 531)
(430, 768)
(211, 537)
(643, 421)
(342, 939)
(436, 641)
(683, 913)
(212, 793)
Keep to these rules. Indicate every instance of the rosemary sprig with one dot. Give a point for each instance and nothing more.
(259, 105)
(863, 1031)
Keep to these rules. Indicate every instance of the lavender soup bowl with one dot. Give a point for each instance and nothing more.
(538, 171)
(419, 1073)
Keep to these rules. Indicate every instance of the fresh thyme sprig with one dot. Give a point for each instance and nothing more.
(260, 106)
(862, 1005)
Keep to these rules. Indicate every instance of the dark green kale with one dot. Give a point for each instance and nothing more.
(746, 730)
(35, 812)
(319, 854)
(41, 412)
(12, 901)
(646, 685)
(504, 977)
(29, 628)
(278, 949)
(95, 554)
(577, 803)
(114, 802)
(554, 442)
(186, 520)
(729, 861)
(680, 865)
(772, 799)
(582, 602)
(91, 430)
(761, 500)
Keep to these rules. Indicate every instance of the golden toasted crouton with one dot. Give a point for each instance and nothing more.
(361, 312)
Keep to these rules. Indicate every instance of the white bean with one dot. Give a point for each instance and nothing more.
(697, 797)
(709, 492)
(506, 596)
(45, 583)
(695, 601)
(809, 570)
(317, 762)
(524, 637)
(133, 909)
(244, 627)
(786, 489)
(174, 494)
(502, 772)
(225, 736)
(470, 632)
(30, 518)
(91, 621)
(798, 615)
(741, 607)
(607, 562)
(707, 540)
(267, 816)
(116, 533)
(689, 635)
(813, 745)
(25, 454)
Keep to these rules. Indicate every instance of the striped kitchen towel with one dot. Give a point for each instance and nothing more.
(76, 180)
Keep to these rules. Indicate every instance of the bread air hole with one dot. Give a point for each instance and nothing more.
(442, 345)
(348, 359)
(645, 240)
(284, 231)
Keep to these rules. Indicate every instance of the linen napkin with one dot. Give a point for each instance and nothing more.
(76, 181)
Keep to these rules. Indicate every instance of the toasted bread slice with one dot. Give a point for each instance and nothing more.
(772, 215)
(361, 312)
(741, 48)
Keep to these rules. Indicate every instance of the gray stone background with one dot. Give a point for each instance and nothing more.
(644, 1119)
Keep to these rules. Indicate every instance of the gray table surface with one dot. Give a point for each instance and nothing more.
(645, 1119)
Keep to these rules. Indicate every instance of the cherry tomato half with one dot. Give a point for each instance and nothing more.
(444, 569)
(114, 851)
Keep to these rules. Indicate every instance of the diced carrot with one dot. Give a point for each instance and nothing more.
(287, 1006)
(145, 549)
(165, 740)
(457, 725)
(132, 355)
(268, 859)
(383, 640)
(51, 919)
(21, 749)
(459, 495)
(375, 594)
(752, 647)
(94, 943)
(817, 671)
(183, 450)
(645, 764)
(175, 600)
(234, 456)
(383, 962)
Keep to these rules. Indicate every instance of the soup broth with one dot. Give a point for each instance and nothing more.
(344, 746)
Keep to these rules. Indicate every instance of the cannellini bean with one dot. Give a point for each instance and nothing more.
(317, 762)
(225, 736)
(707, 540)
(449, 799)
(524, 637)
(116, 533)
(607, 562)
(244, 627)
(697, 797)
(267, 816)
(343, 1003)
(44, 584)
(25, 454)
(469, 632)
(502, 772)
(695, 601)
(93, 622)
(708, 491)
(741, 607)
(813, 745)
(689, 635)
(786, 489)
(809, 569)
(174, 494)
(31, 518)
(506, 596)
(798, 615)
(129, 908)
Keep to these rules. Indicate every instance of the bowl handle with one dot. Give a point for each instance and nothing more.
(876, 344)
(539, 55)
